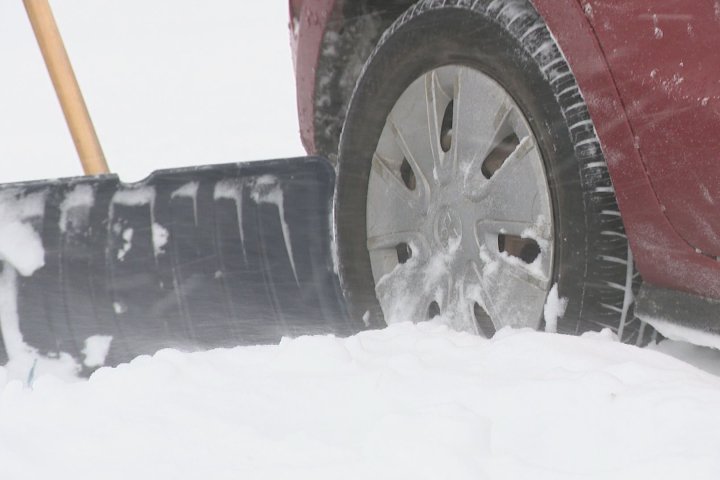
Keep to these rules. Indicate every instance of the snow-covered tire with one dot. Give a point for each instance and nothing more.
(509, 42)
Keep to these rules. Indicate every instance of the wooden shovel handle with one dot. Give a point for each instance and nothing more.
(66, 87)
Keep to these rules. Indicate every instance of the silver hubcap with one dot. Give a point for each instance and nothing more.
(459, 219)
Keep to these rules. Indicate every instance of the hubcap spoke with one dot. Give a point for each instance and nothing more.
(421, 167)
(385, 189)
(529, 242)
(437, 101)
(517, 192)
(475, 291)
(387, 251)
(482, 111)
(404, 292)
(514, 291)
(413, 121)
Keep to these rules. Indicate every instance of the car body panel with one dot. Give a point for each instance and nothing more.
(664, 257)
(308, 19)
(665, 61)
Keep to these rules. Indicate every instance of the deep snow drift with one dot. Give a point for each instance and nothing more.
(411, 401)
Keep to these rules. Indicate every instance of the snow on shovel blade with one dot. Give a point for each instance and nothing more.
(213, 256)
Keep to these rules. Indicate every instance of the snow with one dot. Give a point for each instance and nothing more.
(233, 190)
(96, 350)
(410, 401)
(396, 288)
(24, 361)
(189, 190)
(21, 251)
(656, 29)
(160, 237)
(684, 334)
(20, 245)
(266, 189)
(554, 309)
(138, 197)
(704, 358)
(75, 207)
(119, 308)
(135, 197)
(173, 83)
(127, 235)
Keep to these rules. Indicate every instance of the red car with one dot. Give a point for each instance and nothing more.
(513, 162)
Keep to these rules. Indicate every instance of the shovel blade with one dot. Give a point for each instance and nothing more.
(214, 256)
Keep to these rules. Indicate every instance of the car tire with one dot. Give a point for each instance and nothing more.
(590, 278)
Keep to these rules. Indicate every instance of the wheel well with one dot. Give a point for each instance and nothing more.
(351, 34)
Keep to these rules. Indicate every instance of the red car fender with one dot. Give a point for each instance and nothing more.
(662, 256)
(308, 19)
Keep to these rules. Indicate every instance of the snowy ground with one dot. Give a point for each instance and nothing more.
(409, 402)
(173, 83)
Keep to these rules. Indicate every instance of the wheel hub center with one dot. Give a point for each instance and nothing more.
(447, 227)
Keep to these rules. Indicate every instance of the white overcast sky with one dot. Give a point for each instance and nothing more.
(167, 82)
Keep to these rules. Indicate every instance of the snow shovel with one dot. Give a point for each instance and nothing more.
(212, 256)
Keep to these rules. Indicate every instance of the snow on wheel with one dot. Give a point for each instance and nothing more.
(471, 183)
